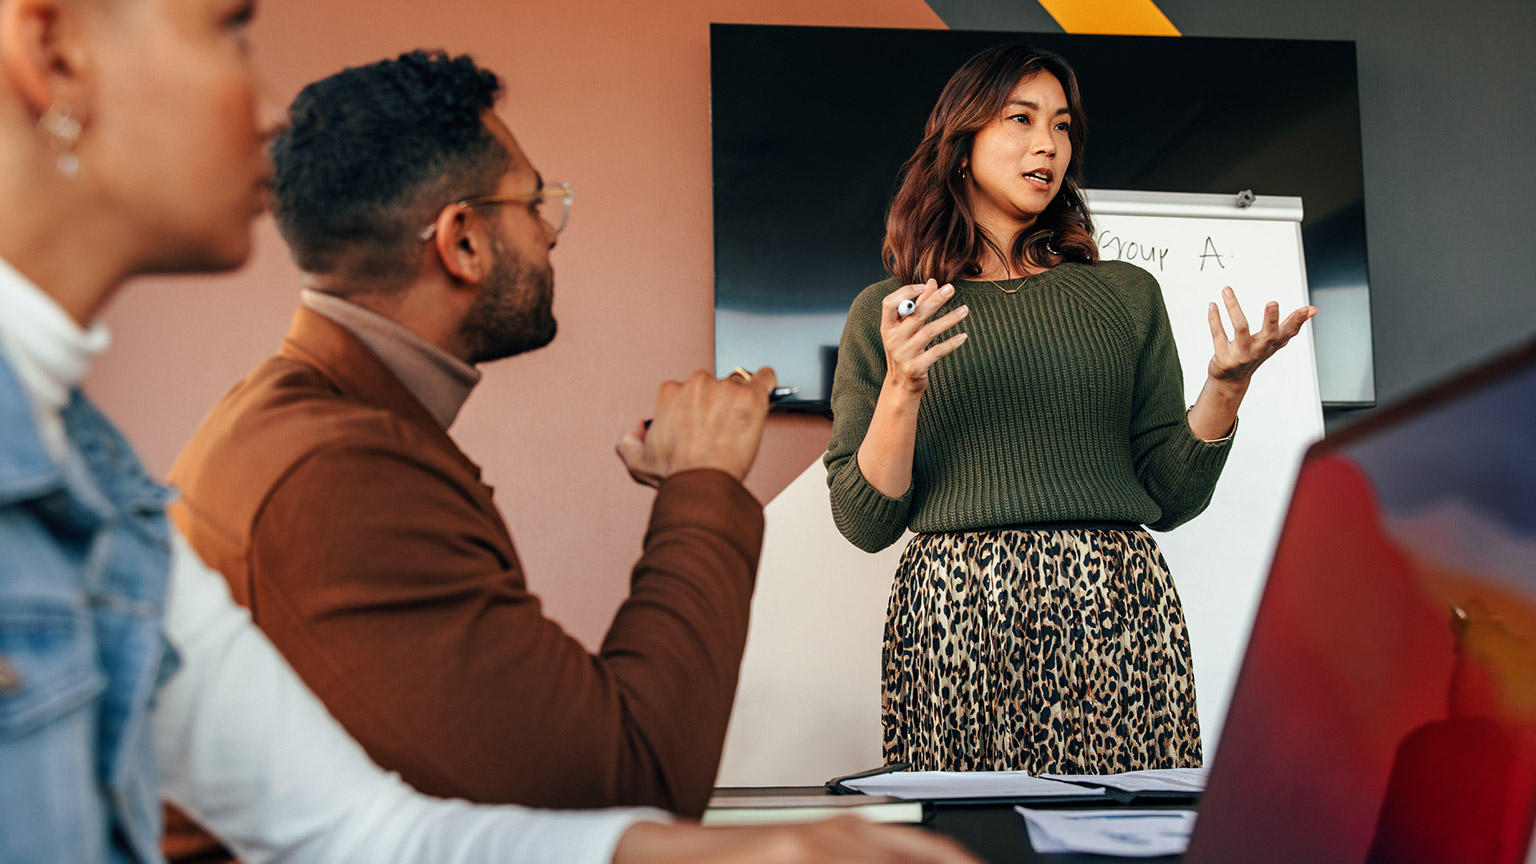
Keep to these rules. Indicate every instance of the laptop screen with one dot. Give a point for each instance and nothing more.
(1386, 708)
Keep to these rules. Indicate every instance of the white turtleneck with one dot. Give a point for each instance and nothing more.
(46, 349)
(241, 744)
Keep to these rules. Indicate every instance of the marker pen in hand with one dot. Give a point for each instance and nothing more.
(777, 394)
(906, 308)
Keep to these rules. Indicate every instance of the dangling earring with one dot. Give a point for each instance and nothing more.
(63, 133)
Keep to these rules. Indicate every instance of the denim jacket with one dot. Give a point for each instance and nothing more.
(84, 559)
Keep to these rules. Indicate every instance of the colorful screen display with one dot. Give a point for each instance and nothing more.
(1386, 710)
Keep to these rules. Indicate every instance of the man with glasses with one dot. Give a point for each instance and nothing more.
(326, 489)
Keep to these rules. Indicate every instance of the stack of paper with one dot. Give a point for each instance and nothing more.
(969, 785)
(1126, 833)
(1188, 781)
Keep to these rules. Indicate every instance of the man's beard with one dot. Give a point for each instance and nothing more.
(512, 314)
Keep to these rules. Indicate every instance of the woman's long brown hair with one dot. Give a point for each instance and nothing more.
(931, 230)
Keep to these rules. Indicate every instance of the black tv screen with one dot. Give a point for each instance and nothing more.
(811, 126)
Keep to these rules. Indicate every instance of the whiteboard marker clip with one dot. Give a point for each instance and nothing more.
(1245, 198)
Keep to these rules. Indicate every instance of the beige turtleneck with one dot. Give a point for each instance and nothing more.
(439, 381)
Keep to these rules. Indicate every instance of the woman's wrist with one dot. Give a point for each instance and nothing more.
(902, 392)
(1223, 394)
(1214, 413)
(1202, 431)
(1226, 390)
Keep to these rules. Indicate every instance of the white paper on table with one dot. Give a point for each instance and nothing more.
(1190, 780)
(941, 785)
(1124, 833)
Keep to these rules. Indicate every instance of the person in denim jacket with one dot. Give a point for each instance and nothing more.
(85, 559)
(129, 144)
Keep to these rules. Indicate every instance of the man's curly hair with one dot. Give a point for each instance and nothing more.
(372, 153)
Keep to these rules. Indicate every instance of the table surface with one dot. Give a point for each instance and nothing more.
(995, 833)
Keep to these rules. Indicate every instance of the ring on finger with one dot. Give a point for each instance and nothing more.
(744, 375)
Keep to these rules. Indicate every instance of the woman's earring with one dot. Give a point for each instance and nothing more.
(63, 133)
(961, 172)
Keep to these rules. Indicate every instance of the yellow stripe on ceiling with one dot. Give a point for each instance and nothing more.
(1112, 17)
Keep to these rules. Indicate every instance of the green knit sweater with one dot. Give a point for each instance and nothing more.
(1065, 403)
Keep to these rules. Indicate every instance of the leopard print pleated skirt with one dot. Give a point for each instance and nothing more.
(1059, 650)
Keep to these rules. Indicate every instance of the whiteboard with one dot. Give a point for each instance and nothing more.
(808, 704)
(1220, 558)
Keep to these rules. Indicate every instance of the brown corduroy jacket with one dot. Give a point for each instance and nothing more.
(366, 547)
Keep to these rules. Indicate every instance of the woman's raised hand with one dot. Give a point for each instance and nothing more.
(1212, 416)
(1236, 358)
(909, 348)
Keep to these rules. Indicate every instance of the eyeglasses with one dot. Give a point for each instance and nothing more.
(537, 199)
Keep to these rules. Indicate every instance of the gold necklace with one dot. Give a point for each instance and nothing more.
(1015, 289)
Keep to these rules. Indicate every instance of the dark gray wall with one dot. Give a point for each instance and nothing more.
(1448, 122)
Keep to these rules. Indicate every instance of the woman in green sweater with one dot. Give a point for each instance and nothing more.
(1026, 420)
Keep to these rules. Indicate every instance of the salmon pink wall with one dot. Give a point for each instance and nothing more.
(609, 95)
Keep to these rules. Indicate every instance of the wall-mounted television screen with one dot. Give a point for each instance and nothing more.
(811, 126)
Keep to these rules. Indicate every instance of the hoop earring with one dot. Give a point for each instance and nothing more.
(63, 133)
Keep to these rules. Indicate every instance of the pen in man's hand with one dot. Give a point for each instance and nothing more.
(777, 394)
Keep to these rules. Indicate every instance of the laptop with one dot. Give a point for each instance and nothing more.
(1386, 708)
